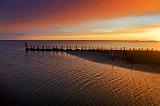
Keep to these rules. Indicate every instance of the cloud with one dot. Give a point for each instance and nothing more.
(23, 15)
(120, 27)
(10, 34)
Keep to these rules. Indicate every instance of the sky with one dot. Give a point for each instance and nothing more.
(80, 20)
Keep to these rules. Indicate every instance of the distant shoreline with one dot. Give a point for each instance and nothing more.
(91, 40)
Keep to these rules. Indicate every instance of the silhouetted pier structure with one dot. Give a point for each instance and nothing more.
(132, 55)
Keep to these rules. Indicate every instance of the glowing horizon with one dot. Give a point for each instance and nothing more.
(80, 20)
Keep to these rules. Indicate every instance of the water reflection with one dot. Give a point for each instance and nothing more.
(55, 78)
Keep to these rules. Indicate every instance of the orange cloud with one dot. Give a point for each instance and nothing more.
(81, 12)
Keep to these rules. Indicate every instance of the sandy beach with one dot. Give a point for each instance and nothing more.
(105, 59)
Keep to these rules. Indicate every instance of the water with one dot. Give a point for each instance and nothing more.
(58, 79)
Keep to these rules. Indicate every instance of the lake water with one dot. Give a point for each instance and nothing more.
(58, 79)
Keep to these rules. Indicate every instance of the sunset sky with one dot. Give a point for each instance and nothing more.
(80, 20)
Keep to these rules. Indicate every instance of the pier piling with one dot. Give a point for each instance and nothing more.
(132, 55)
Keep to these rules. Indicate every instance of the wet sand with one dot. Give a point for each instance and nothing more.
(103, 58)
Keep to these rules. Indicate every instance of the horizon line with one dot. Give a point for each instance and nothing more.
(80, 40)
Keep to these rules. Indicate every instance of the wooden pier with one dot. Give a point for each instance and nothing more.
(133, 56)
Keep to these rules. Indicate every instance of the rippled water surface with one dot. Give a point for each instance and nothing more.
(55, 78)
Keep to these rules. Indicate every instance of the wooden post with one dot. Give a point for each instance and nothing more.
(152, 49)
(27, 49)
(37, 47)
(67, 47)
(139, 49)
(42, 47)
(61, 47)
(101, 48)
(92, 48)
(142, 49)
(26, 45)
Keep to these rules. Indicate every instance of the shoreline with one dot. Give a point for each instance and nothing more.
(101, 58)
